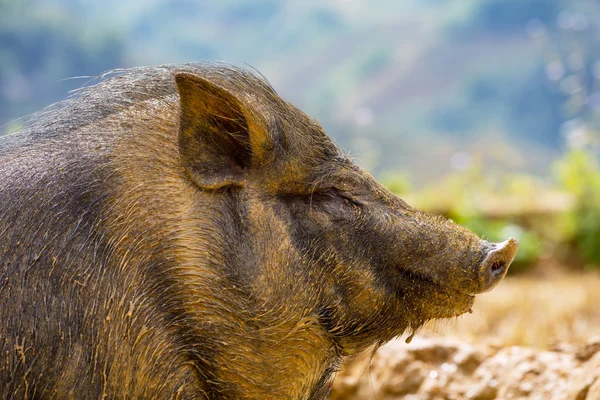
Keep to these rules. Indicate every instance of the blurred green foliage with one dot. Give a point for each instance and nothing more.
(557, 219)
(475, 200)
(399, 183)
(531, 245)
(579, 174)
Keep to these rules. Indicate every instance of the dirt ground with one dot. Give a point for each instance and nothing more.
(534, 337)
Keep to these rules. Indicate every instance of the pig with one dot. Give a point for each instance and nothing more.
(182, 232)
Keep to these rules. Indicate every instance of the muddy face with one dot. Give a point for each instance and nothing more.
(374, 265)
(183, 232)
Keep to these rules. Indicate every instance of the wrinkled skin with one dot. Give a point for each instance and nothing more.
(183, 232)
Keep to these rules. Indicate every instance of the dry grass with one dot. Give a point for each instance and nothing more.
(531, 311)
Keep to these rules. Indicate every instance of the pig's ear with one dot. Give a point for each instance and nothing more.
(220, 139)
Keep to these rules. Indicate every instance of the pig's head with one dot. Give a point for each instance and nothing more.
(309, 230)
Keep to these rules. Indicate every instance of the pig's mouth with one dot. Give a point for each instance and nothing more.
(439, 300)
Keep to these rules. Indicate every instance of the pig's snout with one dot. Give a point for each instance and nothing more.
(496, 263)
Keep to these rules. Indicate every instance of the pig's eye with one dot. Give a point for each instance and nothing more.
(335, 196)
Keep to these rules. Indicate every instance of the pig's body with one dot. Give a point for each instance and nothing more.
(182, 232)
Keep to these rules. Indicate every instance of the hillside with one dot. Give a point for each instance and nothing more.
(402, 86)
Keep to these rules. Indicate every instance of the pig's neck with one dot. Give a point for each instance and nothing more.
(290, 361)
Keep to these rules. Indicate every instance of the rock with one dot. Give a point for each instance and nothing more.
(429, 369)
(522, 372)
(431, 352)
(485, 390)
(468, 358)
(407, 381)
(592, 347)
(594, 392)
(584, 378)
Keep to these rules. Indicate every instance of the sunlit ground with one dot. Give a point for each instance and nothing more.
(531, 311)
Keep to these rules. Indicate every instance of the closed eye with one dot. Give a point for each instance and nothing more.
(333, 194)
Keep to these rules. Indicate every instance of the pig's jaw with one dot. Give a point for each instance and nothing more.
(417, 301)
(432, 300)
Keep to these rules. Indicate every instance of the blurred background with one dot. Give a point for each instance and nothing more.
(486, 111)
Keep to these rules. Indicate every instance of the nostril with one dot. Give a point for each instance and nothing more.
(498, 266)
(496, 263)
